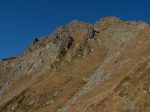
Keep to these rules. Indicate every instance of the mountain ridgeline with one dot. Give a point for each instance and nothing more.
(81, 67)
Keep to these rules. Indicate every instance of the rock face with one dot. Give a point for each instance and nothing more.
(81, 67)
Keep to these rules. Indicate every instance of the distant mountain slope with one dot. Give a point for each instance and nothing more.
(81, 67)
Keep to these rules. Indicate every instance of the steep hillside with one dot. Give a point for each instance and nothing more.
(81, 67)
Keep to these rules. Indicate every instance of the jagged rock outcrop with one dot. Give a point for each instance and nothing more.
(81, 67)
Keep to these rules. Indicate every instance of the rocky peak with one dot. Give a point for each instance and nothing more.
(110, 19)
(76, 56)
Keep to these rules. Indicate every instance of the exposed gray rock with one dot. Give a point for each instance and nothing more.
(14, 107)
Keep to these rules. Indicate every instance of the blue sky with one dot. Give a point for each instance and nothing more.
(23, 20)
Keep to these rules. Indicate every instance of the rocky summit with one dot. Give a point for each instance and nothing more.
(81, 67)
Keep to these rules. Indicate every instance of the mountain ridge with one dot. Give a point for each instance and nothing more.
(58, 72)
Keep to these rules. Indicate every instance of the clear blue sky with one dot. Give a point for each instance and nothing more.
(23, 20)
